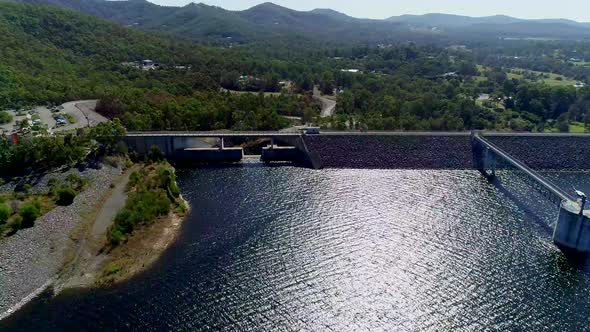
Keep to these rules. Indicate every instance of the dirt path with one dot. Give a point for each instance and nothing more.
(109, 210)
(328, 105)
(88, 261)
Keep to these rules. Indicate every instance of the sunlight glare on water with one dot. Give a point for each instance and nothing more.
(291, 249)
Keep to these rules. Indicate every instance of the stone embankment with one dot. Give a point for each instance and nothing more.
(33, 257)
(402, 152)
(547, 152)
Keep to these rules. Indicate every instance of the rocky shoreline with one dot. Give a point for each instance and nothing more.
(32, 258)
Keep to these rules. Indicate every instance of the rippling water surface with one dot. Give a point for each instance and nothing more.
(290, 249)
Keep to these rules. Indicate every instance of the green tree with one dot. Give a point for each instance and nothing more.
(5, 117)
(5, 213)
(109, 134)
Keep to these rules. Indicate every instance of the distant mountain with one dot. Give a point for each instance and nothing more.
(454, 21)
(448, 20)
(203, 22)
(334, 14)
(267, 21)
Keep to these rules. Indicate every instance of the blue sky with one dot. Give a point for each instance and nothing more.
(573, 9)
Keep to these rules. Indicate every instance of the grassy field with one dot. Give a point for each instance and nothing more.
(514, 73)
(252, 92)
(582, 64)
(575, 127)
(553, 79)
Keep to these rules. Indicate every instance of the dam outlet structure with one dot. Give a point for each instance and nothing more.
(571, 232)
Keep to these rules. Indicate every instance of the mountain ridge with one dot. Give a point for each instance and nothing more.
(268, 20)
(463, 20)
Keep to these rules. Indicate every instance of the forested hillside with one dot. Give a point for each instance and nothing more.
(53, 55)
(49, 55)
(268, 21)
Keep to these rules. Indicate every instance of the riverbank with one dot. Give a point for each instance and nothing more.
(141, 250)
(69, 247)
(33, 257)
(98, 261)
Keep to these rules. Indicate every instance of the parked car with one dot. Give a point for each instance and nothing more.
(311, 131)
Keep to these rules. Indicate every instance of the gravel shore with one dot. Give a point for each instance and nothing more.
(33, 257)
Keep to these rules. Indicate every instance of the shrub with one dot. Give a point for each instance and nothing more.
(115, 236)
(15, 224)
(65, 196)
(53, 182)
(155, 154)
(128, 163)
(5, 213)
(5, 117)
(112, 161)
(121, 148)
(134, 157)
(112, 269)
(152, 192)
(76, 181)
(27, 188)
(29, 213)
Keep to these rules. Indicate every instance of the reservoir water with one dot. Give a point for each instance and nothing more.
(292, 249)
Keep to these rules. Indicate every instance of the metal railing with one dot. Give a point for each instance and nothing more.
(543, 183)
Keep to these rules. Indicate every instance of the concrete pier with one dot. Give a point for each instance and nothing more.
(280, 153)
(572, 231)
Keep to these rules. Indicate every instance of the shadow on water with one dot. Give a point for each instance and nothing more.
(568, 259)
(529, 212)
(243, 164)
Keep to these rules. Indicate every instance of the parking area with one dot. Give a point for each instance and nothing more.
(68, 116)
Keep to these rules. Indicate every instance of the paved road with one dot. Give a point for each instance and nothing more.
(87, 108)
(328, 105)
(282, 133)
(269, 134)
(83, 111)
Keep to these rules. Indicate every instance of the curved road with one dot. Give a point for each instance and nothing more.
(328, 105)
(83, 111)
